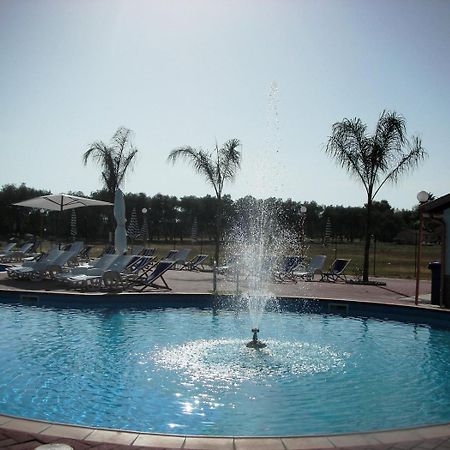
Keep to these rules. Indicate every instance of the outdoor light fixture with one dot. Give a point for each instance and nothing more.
(422, 197)
(302, 247)
(42, 211)
(144, 210)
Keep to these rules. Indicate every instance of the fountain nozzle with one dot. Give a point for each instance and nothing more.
(255, 342)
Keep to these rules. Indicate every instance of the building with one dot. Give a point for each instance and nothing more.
(439, 210)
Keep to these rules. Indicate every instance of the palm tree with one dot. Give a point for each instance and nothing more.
(217, 166)
(114, 159)
(374, 159)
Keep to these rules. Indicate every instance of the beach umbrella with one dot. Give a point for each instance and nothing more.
(328, 232)
(120, 235)
(60, 202)
(194, 231)
(133, 231)
(73, 224)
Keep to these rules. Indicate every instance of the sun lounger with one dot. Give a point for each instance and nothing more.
(139, 265)
(76, 248)
(170, 255)
(110, 250)
(315, 266)
(195, 263)
(84, 253)
(92, 277)
(47, 267)
(17, 255)
(114, 280)
(148, 280)
(7, 248)
(286, 270)
(147, 251)
(336, 271)
(181, 257)
(24, 270)
(96, 267)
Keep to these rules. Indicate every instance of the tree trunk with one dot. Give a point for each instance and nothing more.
(218, 231)
(367, 238)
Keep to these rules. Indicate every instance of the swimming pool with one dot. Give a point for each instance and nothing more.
(186, 370)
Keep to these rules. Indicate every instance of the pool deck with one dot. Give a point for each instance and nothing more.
(22, 434)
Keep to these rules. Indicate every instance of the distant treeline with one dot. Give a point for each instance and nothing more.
(172, 218)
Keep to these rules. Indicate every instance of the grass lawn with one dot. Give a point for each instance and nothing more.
(391, 260)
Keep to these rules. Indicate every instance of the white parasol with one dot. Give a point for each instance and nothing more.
(60, 202)
(120, 235)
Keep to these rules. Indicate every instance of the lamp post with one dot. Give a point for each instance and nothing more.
(422, 197)
(144, 231)
(302, 230)
(104, 219)
(42, 211)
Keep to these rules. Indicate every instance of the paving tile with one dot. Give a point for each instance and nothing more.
(4, 419)
(28, 426)
(427, 445)
(112, 437)
(410, 445)
(445, 444)
(258, 444)
(156, 440)
(434, 432)
(110, 447)
(4, 443)
(304, 443)
(20, 436)
(66, 431)
(206, 443)
(45, 439)
(352, 440)
(30, 445)
(392, 437)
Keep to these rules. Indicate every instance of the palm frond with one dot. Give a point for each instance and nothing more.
(200, 160)
(121, 140)
(230, 158)
(406, 162)
(115, 159)
(96, 151)
(126, 163)
(348, 145)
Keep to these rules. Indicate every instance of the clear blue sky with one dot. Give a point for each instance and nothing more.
(193, 72)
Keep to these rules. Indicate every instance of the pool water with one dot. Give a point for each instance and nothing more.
(187, 371)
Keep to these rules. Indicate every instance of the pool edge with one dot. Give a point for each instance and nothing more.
(57, 431)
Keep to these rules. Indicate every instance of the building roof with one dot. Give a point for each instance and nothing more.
(437, 206)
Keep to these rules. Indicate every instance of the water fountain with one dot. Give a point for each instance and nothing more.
(258, 240)
(255, 342)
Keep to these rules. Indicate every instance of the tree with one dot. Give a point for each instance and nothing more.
(218, 167)
(114, 160)
(15, 219)
(374, 159)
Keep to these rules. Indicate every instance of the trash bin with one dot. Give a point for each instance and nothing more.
(435, 268)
